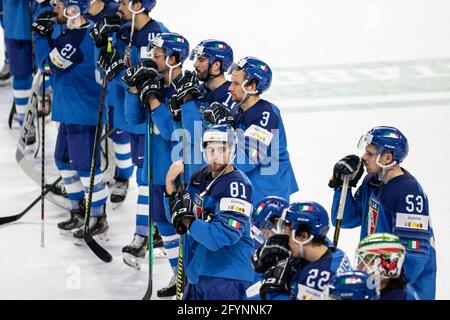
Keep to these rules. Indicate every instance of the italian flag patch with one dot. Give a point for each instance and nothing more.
(261, 206)
(233, 223)
(412, 244)
(307, 208)
(253, 153)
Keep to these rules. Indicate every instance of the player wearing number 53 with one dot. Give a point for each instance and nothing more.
(389, 200)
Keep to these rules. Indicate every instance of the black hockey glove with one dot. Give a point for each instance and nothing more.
(181, 207)
(110, 62)
(104, 27)
(44, 23)
(185, 84)
(140, 73)
(274, 249)
(151, 86)
(217, 113)
(276, 279)
(350, 165)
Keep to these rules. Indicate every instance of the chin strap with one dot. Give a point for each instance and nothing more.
(384, 168)
(301, 243)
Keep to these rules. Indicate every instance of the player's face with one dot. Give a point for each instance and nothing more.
(123, 8)
(235, 89)
(159, 57)
(58, 8)
(217, 156)
(201, 67)
(293, 246)
(369, 159)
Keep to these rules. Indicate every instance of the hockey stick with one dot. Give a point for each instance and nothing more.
(92, 244)
(341, 207)
(43, 161)
(181, 279)
(16, 217)
(48, 189)
(148, 293)
(21, 159)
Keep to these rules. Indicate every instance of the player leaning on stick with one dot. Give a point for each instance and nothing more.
(75, 106)
(215, 211)
(389, 200)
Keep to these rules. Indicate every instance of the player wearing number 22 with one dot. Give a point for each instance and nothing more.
(389, 200)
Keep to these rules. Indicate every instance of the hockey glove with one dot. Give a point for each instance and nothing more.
(274, 249)
(44, 23)
(350, 165)
(181, 207)
(217, 113)
(276, 279)
(140, 73)
(186, 84)
(110, 62)
(104, 27)
(151, 86)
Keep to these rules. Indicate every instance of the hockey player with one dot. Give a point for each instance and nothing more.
(314, 261)
(215, 211)
(98, 10)
(212, 58)
(389, 200)
(17, 33)
(382, 255)
(71, 60)
(168, 52)
(145, 28)
(351, 285)
(262, 152)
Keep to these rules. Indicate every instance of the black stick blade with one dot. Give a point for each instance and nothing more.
(99, 251)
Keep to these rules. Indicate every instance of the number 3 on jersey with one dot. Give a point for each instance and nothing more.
(265, 118)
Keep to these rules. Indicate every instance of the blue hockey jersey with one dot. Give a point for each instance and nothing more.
(17, 19)
(399, 207)
(310, 278)
(220, 246)
(220, 95)
(76, 93)
(262, 151)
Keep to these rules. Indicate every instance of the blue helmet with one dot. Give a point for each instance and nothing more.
(220, 133)
(255, 69)
(147, 5)
(352, 285)
(311, 214)
(214, 50)
(83, 5)
(172, 43)
(265, 211)
(386, 139)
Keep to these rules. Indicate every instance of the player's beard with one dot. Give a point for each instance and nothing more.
(216, 168)
(202, 76)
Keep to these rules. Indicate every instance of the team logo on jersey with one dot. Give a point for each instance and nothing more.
(198, 202)
(374, 209)
(412, 221)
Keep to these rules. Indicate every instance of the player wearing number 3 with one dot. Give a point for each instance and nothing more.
(389, 200)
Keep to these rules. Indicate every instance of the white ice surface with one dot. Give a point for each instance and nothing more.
(321, 33)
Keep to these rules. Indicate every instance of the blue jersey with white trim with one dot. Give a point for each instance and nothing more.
(399, 207)
(138, 51)
(76, 93)
(310, 278)
(17, 19)
(262, 151)
(220, 246)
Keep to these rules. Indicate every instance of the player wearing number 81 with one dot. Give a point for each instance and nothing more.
(389, 200)
(215, 212)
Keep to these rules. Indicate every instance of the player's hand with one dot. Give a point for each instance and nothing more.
(148, 90)
(110, 62)
(104, 28)
(217, 113)
(186, 88)
(44, 23)
(182, 211)
(350, 165)
(140, 73)
(274, 249)
(276, 279)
